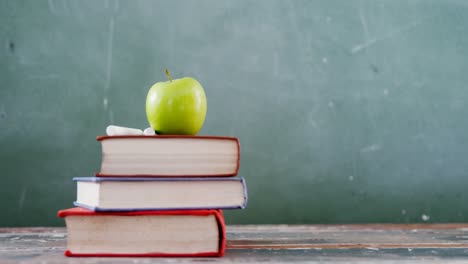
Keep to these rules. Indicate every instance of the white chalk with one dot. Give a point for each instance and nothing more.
(149, 132)
(122, 131)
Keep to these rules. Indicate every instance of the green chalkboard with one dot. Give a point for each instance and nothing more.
(347, 111)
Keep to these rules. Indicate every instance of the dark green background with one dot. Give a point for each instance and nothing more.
(347, 111)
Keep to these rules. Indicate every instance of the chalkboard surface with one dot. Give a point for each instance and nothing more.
(347, 111)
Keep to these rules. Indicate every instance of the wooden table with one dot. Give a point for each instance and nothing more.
(439, 243)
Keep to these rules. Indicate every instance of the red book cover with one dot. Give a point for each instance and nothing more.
(162, 137)
(217, 213)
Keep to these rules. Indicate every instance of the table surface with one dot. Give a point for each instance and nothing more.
(387, 243)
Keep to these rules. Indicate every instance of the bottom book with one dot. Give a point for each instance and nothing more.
(184, 233)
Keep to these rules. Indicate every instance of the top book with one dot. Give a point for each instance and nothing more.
(169, 156)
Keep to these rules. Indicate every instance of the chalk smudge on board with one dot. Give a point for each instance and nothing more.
(371, 41)
(371, 148)
(22, 197)
(425, 217)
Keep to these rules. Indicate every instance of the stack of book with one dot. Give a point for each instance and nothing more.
(157, 196)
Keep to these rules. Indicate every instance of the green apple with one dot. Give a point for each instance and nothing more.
(176, 107)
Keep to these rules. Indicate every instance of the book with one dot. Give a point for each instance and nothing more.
(169, 156)
(189, 233)
(131, 194)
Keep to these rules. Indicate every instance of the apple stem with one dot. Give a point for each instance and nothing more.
(168, 75)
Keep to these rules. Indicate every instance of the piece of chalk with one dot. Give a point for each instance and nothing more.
(149, 132)
(122, 131)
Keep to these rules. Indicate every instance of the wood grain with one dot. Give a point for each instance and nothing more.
(439, 243)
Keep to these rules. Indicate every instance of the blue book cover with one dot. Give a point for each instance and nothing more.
(111, 194)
